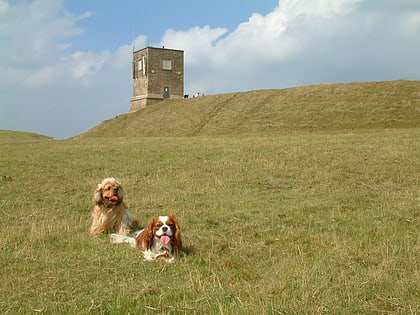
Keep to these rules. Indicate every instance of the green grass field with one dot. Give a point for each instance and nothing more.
(296, 222)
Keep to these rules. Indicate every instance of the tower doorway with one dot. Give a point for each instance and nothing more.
(166, 93)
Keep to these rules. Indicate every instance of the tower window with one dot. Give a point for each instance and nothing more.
(166, 64)
(133, 70)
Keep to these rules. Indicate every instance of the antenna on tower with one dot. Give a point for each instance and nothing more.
(132, 37)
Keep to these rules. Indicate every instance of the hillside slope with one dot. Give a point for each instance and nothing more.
(350, 106)
(7, 136)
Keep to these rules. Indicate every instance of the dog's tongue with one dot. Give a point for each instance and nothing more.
(113, 198)
(165, 239)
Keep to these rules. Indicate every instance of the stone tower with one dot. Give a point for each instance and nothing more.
(158, 74)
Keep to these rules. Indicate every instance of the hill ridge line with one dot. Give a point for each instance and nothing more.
(338, 106)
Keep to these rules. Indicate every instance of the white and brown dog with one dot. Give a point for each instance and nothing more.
(110, 213)
(160, 239)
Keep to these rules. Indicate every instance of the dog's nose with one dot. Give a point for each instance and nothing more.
(115, 190)
(164, 229)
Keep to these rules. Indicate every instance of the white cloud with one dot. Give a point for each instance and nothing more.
(41, 78)
(85, 66)
(85, 15)
(62, 93)
(197, 42)
(4, 6)
(305, 42)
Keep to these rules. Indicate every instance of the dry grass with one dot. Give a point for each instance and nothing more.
(353, 106)
(318, 223)
(307, 201)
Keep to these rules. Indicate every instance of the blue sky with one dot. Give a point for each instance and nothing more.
(65, 64)
(113, 22)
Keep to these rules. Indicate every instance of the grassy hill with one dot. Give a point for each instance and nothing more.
(11, 136)
(373, 105)
(273, 221)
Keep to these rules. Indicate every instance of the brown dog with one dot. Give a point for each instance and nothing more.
(161, 238)
(110, 213)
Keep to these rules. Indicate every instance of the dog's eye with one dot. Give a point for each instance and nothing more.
(158, 225)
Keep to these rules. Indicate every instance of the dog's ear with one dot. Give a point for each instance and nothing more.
(149, 233)
(97, 195)
(120, 189)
